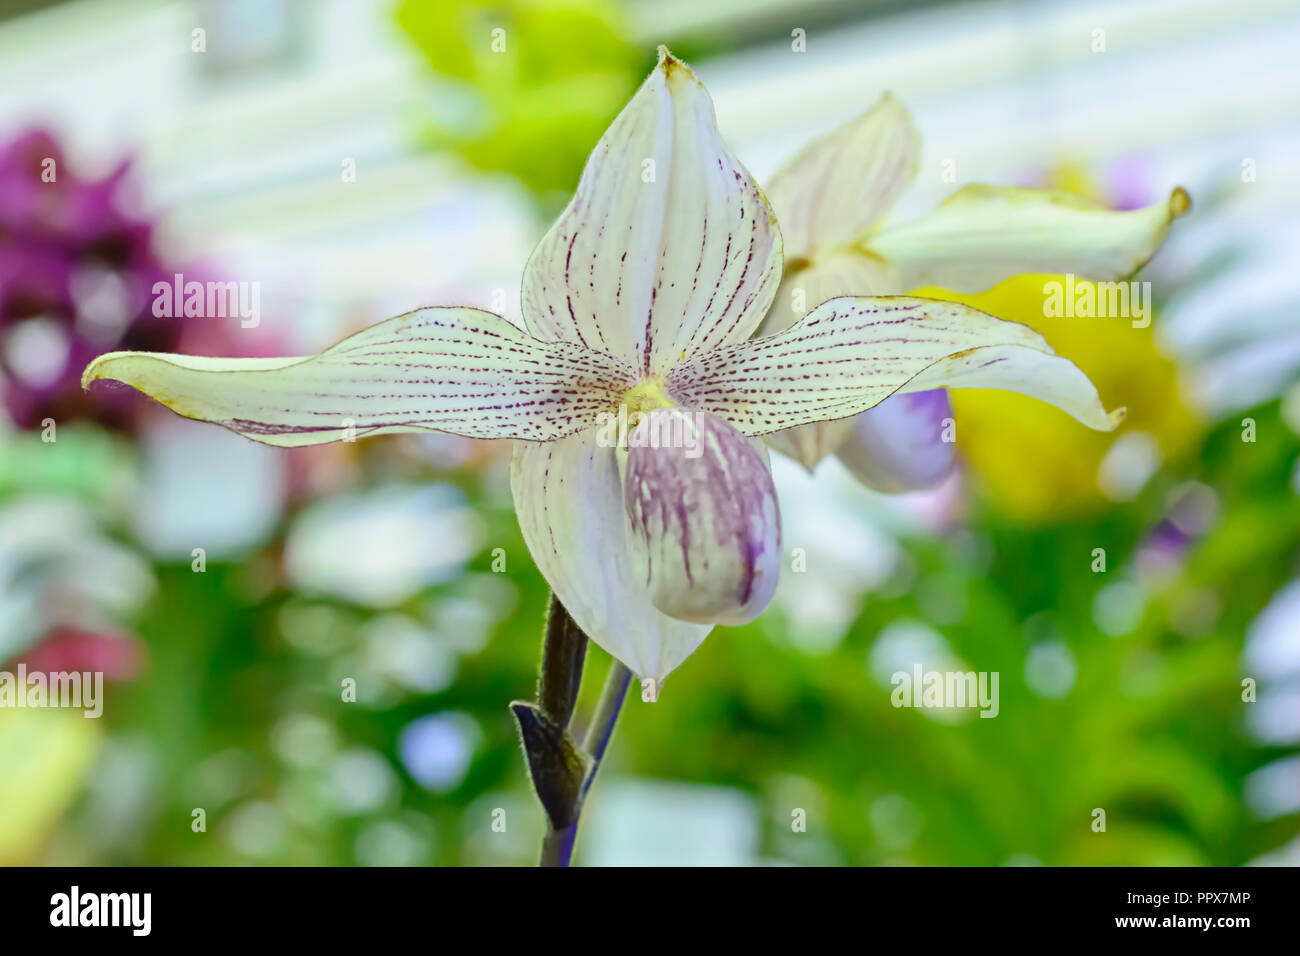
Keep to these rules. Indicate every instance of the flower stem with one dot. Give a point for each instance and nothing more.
(561, 772)
(602, 723)
(564, 648)
(557, 845)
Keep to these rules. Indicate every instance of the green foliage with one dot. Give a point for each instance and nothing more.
(543, 79)
(240, 711)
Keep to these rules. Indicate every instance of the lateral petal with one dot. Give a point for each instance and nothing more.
(668, 247)
(981, 235)
(457, 370)
(837, 273)
(850, 354)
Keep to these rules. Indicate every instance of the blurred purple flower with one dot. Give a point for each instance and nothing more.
(76, 274)
(1190, 514)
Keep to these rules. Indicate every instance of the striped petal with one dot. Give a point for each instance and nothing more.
(569, 500)
(902, 444)
(838, 187)
(702, 522)
(837, 273)
(981, 235)
(668, 248)
(459, 370)
(851, 354)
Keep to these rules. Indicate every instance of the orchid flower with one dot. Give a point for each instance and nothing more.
(642, 300)
(830, 199)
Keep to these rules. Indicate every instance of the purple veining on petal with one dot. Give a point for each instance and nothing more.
(661, 268)
(899, 445)
(704, 531)
(461, 371)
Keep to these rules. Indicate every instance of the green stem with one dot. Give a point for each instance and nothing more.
(602, 722)
(561, 772)
(557, 845)
(564, 648)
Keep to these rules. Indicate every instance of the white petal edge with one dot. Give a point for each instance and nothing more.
(668, 248)
(834, 190)
(981, 235)
(850, 354)
(457, 370)
(569, 500)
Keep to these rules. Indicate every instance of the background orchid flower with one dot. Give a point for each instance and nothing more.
(830, 199)
(643, 295)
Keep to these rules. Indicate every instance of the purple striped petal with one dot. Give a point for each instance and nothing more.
(703, 527)
(851, 354)
(569, 500)
(462, 371)
(668, 248)
(900, 444)
(839, 273)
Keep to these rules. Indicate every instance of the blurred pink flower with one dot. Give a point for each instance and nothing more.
(65, 650)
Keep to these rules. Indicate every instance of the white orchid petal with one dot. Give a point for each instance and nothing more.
(668, 248)
(459, 370)
(835, 274)
(569, 499)
(831, 276)
(981, 235)
(851, 354)
(838, 187)
(703, 527)
(902, 444)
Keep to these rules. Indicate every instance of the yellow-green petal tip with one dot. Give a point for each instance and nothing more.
(1179, 202)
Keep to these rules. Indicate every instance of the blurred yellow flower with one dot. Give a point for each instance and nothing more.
(46, 755)
(1020, 451)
